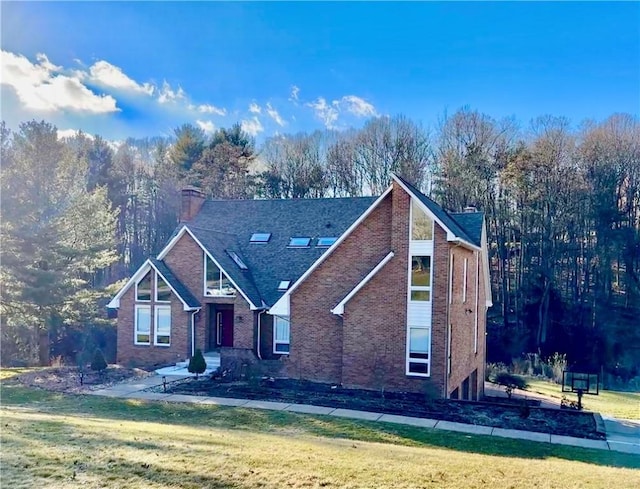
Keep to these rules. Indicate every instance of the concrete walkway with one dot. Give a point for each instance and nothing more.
(622, 436)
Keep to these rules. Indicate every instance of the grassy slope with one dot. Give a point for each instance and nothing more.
(58, 441)
(625, 405)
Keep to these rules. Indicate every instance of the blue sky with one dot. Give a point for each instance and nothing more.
(141, 69)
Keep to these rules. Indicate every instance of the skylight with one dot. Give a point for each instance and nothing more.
(234, 256)
(326, 241)
(284, 284)
(299, 242)
(260, 238)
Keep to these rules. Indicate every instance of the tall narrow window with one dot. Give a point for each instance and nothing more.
(464, 281)
(216, 282)
(281, 333)
(143, 288)
(449, 354)
(142, 329)
(419, 345)
(451, 278)
(421, 224)
(162, 325)
(420, 278)
(163, 292)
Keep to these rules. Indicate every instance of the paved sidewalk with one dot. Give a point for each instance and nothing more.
(622, 436)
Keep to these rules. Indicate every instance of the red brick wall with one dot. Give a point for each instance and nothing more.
(316, 333)
(186, 260)
(375, 320)
(462, 317)
(150, 355)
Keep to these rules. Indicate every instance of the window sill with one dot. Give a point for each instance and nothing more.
(142, 344)
(161, 345)
(412, 374)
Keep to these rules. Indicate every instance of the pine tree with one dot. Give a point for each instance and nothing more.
(197, 364)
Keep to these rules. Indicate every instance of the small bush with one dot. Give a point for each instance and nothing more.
(197, 364)
(510, 382)
(98, 363)
(493, 369)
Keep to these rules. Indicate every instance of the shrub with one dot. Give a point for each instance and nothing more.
(510, 382)
(493, 369)
(98, 363)
(197, 364)
(558, 364)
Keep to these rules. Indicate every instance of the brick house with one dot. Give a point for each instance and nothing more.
(371, 292)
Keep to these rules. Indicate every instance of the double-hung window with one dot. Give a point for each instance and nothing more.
(281, 334)
(142, 330)
(162, 328)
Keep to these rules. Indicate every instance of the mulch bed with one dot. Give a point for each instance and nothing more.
(67, 379)
(502, 415)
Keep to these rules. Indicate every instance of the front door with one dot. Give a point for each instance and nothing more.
(223, 326)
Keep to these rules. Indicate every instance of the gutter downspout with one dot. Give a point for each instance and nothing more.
(193, 331)
(258, 340)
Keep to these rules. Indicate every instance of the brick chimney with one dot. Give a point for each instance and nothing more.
(192, 200)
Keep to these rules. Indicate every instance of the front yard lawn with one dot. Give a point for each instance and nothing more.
(623, 405)
(58, 440)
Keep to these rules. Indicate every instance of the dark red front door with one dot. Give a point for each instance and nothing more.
(224, 327)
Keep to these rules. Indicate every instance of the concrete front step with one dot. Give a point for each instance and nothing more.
(213, 362)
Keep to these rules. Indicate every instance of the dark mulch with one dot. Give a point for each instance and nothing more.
(67, 379)
(503, 415)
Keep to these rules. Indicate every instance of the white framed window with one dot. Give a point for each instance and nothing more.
(142, 327)
(143, 288)
(420, 278)
(451, 279)
(464, 281)
(216, 283)
(163, 292)
(418, 351)
(421, 224)
(281, 334)
(162, 326)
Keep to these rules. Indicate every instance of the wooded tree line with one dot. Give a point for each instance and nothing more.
(562, 208)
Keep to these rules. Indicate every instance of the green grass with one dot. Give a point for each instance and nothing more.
(62, 441)
(625, 405)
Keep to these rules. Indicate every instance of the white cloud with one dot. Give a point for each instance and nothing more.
(107, 74)
(167, 94)
(252, 126)
(273, 113)
(211, 109)
(358, 106)
(71, 133)
(294, 93)
(352, 104)
(42, 87)
(206, 126)
(254, 108)
(328, 114)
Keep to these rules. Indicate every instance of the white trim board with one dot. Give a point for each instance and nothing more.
(339, 309)
(140, 273)
(281, 307)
